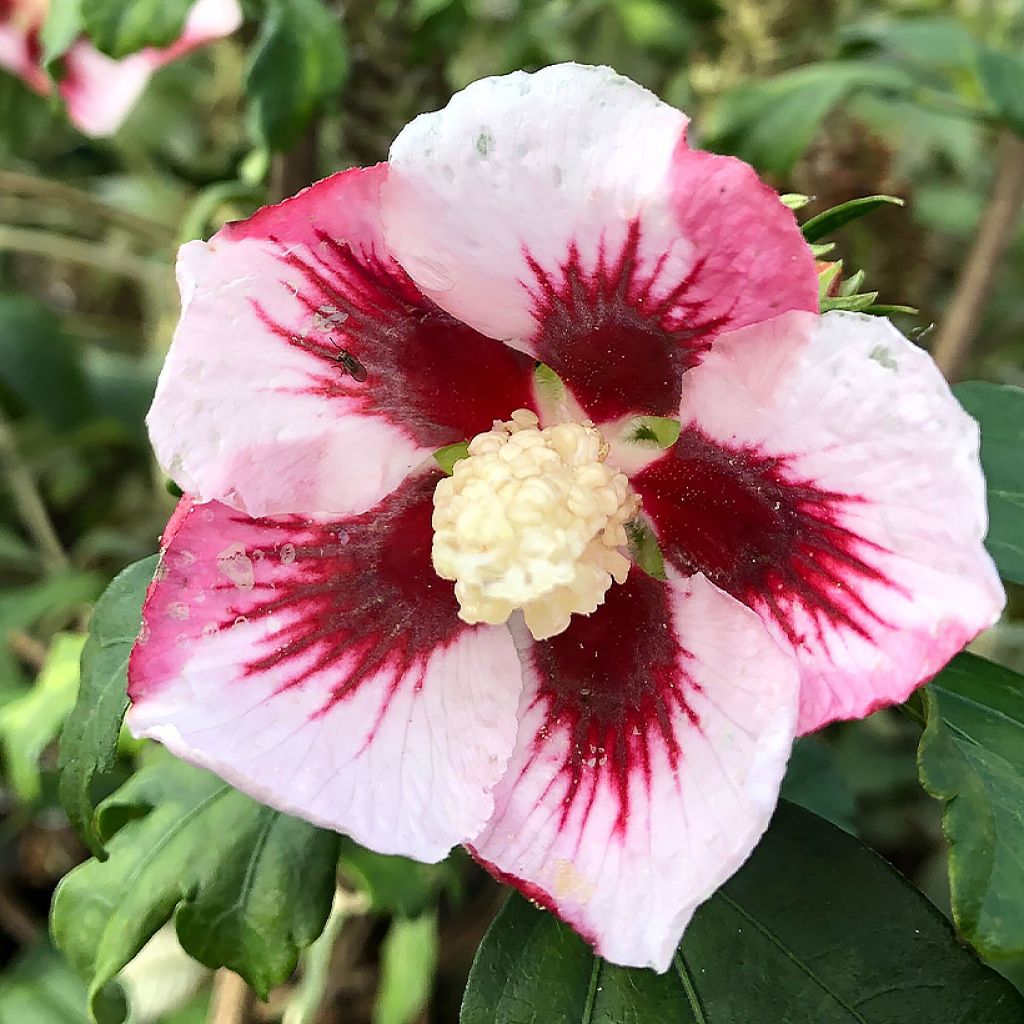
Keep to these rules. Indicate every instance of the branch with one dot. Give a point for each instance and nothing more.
(28, 502)
(232, 999)
(995, 232)
(56, 192)
(63, 248)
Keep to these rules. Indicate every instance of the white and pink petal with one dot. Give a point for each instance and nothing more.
(826, 476)
(565, 213)
(308, 374)
(321, 668)
(653, 738)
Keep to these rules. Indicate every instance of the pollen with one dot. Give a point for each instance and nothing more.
(532, 519)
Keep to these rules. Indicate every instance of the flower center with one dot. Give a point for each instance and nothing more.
(532, 519)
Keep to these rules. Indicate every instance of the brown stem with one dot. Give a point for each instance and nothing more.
(995, 232)
(28, 501)
(292, 171)
(56, 192)
(27, 649)
(232, 1000)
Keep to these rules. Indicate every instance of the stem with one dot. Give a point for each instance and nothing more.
(28, 501)
(74, 250)
(297, 168)
(995, 232)
(16, 183)
(232, 999)
(304, 1005)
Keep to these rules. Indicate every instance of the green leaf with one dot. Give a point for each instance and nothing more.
(121, 27)
(298, 64)
(62, 27)
(971, 758)
(29, 724)
(39, 366)
(814, 928)
(40, 988)
(1003, 77)
(813, 780)
(396, 885)
(999, 410)
(770, 124)
(88, 746)
(408, 958)
(447, 456)
(249, 887)
(832, 220)
(927, 43)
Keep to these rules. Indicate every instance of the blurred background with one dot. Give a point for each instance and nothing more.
(833, 99)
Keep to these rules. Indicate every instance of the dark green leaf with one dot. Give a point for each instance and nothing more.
(395, 885)
(251, 887)
(971, 758)
(88, 746)
(832, 220)
(1003, 77)
(999, 409)
(813, 780)
(815, 928)
(121, 27)
(298, 64)
(39, 365)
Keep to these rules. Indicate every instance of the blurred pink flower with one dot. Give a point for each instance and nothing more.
(99, 91)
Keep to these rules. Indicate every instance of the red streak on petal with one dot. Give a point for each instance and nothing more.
(534, 893)
(618, 334)
(358, 595)
(388, 350)
(770, 539)
(611, 686)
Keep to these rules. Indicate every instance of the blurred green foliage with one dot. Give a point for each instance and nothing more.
(833, 99)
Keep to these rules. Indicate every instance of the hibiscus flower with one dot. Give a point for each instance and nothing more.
(98, 90)
(626, 328)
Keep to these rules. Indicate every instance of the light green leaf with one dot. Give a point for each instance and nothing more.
(971, 758)
(29, 724)
(298, 65)
(814, 928)
(88, 746)
(999, 409)
(121, 27)
(447, 457)
(249, 887)
(408, 958)
(62, 27)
